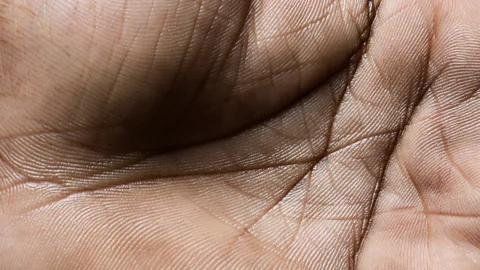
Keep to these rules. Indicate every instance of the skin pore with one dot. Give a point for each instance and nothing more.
(231, 134)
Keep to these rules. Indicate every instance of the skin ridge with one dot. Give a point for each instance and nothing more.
(373, 13)
(353, 64)
(425, 84)
(354, 57)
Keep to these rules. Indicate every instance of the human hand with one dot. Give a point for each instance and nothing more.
(239, 134)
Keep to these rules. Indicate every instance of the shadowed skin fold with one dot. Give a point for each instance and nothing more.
(228, 134)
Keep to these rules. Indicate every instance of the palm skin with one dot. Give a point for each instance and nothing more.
(239, 134)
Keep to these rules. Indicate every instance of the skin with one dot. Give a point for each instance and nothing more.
(308, 134)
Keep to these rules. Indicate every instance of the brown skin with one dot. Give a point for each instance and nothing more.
(308, 134)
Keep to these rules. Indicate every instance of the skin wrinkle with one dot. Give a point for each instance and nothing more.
(372, 11)
(24, 175)
(425, 207)
(181, 175)
(95, 127)
(420, 177)
(314, 163)
(248, 228)
(304, 206)
(205, 79)
(118, 74)
(82, 191)
(450, 158)
(305, 25)
(247, 114)
(189, 44)
(289, 219)
(271, 73)
(6, 68)
(288, 190)
(235, 40)
(123, 62)
(407, 120)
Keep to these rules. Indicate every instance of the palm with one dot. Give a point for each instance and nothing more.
(156, 133)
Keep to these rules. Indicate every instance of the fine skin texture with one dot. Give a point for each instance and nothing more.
(240, 134)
